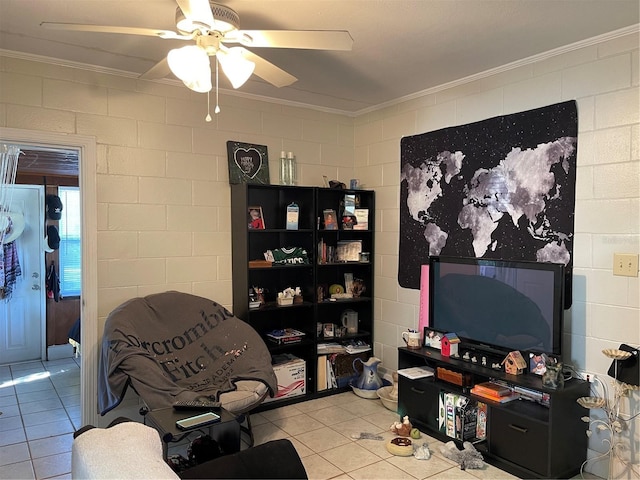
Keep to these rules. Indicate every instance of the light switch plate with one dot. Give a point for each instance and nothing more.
(625, 264)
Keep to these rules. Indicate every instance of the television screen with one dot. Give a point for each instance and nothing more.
(509, 305)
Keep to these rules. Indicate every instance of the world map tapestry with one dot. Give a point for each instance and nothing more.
(501, 188)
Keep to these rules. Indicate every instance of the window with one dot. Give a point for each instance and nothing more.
(70, 245)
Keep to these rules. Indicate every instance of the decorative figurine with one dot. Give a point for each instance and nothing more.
(403, 428)
(514, 363)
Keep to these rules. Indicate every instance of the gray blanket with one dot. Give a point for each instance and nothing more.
(176, 346)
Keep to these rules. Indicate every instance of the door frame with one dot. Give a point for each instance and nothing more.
(87, 150)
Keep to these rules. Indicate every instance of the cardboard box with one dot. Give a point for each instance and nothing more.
(291, 373)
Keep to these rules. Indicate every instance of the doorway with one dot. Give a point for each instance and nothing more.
(56, 170)
(86, 148)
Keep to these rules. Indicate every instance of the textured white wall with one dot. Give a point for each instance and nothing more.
(604, 80)
(162, 186)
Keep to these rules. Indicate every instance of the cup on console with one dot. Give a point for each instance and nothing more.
(411, 338)
(350, 321)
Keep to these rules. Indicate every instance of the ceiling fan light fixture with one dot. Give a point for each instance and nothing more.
(224, 20)
(191, 65)
(200, 85)
(237, 68)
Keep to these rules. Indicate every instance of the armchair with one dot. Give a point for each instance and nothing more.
(175, 346)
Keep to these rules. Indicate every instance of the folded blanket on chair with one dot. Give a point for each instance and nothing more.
(176, 346)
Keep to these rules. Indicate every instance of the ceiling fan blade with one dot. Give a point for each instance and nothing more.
(268, 71)
(159, 70)
(197, 11)
(78, 27)
(306, 39)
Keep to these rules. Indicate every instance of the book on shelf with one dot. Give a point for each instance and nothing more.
(285, 336)
(495, 398)
(326, 253)
(322, 252)
(331, 376)
(330, 347)
(321, 378)
(466, 415)
(414, 373)
(451, 401)
(357, 346)
(493, 388)
(260, 263)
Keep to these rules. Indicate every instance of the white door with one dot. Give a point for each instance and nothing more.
(22, 315)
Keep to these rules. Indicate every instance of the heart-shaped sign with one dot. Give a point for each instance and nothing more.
(249, 161)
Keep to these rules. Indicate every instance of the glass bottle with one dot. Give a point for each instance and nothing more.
(292, 167)
(284, 180)
(287, 168)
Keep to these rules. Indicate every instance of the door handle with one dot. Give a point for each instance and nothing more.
(416, 390)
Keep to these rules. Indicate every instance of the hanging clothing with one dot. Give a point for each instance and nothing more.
(53, 283)
(10, 269)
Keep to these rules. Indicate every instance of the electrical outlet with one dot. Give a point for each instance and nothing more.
(625, 264)
(589, 377)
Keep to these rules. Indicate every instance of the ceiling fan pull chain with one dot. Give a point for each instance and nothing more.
(208, 117)
(217, 109)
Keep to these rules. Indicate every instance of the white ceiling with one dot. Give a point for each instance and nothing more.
(401, 47)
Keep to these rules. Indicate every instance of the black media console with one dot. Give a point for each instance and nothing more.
(528, 438)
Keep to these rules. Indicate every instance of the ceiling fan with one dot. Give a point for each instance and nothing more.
(213, 27)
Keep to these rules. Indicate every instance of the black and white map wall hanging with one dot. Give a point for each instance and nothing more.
(248, 163)
(499, 188)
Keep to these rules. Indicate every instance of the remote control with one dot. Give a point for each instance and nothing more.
(196, 421)
(196, 405)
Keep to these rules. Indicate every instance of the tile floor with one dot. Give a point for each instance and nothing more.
(322, 431)
(40, 405)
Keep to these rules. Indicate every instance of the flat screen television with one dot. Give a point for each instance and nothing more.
(499, 304)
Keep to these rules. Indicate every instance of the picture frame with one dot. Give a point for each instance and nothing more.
(348, 250)
(349, 204)
(328, 330)
(538, 362)
(361, 221)
(248, 163)
(330, 220)
(432, 338)
(255, 218)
